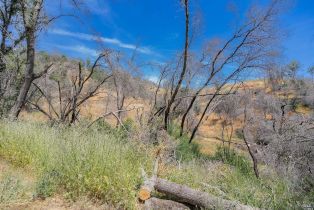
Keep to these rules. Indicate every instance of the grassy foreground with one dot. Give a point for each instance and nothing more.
(98, 164)
(105, 164)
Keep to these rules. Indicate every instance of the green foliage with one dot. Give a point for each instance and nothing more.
(129, 124)
(308, 187)
(102, 163)
(105, 128)
(97, 163)
(229, 183)
(103, 125)
(229, 175)
(232, 158)
(174, 130)
(186, 151)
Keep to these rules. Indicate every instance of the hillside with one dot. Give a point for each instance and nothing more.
(116, 105)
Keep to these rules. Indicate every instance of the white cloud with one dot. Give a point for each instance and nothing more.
(80, 49)
(153, 78)
(113, 41)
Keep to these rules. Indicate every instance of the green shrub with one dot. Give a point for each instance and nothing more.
(129, 124)
(174, 130)
(186, 151)
(103, 125)
(232, 158)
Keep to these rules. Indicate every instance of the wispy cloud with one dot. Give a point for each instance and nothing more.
(113, 41)
(80, 49)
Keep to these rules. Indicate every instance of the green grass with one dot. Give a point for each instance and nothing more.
(230, 183)
(104, 163)
(229, 174)
(185, 151)
(98, 164)
(232, 158)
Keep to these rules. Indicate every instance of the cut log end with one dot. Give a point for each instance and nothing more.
(144, 194)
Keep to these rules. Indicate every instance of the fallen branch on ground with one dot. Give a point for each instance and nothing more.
(184, 194)
(197, 198)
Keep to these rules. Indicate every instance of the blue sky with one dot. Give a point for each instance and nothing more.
(156, 28)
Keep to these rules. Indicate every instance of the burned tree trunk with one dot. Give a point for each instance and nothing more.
(184, 68)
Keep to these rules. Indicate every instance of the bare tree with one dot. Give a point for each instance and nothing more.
(228, 111)
(184, 67)
(66, 105)
(249, 48)
(32, 14)
(32, 19)
(292, 70)
(124, 85)
(247, 143)
(276, 135)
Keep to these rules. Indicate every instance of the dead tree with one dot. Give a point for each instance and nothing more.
(31, 16)
(184, 67)
(247, 143)
(163, 74)
(32, 20)
(70, 100)
(248, 48)
(228, 110)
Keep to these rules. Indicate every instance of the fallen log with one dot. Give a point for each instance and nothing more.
(197, 198)
(160, 204)
(182, 194)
